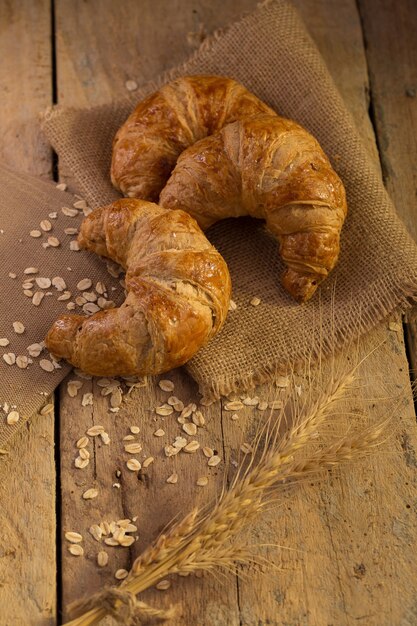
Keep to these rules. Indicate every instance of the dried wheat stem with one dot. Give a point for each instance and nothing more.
(196, 541)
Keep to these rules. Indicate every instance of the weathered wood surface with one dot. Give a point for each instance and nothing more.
(27, 483)
(340, 573)
(355, 534)
(393, 82)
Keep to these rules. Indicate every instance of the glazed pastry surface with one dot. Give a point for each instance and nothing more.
(178, 293)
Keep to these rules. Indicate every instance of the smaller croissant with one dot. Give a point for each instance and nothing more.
(271, 168)
(178, 293)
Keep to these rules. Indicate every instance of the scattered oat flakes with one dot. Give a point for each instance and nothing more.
(190, 428)
(84, 284)
(105, 438)
(173, 479)
(180, 442)
(90, 494)
(69, 212)
(202, 481)
(134, 465)
(171, 450)
(90, 296)
(73, 537)
(13, 417)
(159, 433)
(148, 461)
(121, 574)
(191, 447)
(111, 542)
(198, 418)
(76, 549)
(46, 225)
(96, 532)
(90, 308)
(81, 463)
(164, 410)
(163, 585)
(48, 408)
(262, 406)
(255, 301)
(59, 283)
(71, 306)
(232, 305)
(61, 186)
(166, 385)
(43, 282)
(234, 405)
(53, 215)
(250, 401)
(133, 448)
(28, 293)
(208, 452)
(87, 399)
(95, 430)
(246, 448)
(31, 270)
(134, 429)
(12, 275)
(82, 442)
(80, 204)
(80, 300)
(4, 342)
(102, 558)
(46, 365)
(54, 242)
(234, 416)
(84, 453)
(74, 245)
(38, 296)
(18, 328)
(213, 461)
(131, 85)
(35, 233)
(128, 438)
(116, 397)
(101, 288)
(10, 358)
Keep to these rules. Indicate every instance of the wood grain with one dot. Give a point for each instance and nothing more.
(393, 79)
(354, 534)
(27, 484)
(90, 69)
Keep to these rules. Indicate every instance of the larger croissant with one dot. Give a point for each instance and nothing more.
(146, 147)
(270, 168)
(178, 293)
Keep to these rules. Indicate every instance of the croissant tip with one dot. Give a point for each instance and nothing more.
(302, 287)
(60, 338)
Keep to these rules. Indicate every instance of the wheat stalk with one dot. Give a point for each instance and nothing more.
(198, 541)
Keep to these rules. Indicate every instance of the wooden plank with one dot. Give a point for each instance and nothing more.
(335, 571)
(337, 576)
(393, 79)
(94, 74)
(27, 488)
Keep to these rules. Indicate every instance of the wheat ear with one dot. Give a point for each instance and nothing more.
(195, 542)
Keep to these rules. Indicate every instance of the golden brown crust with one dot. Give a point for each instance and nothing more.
(270, 168)
(182, 112)
(178, 293)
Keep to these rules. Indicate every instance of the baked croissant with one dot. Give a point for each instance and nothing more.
(178, 293)
(270, 168)
(146, 147)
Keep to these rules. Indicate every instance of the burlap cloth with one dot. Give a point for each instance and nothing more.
(271, 53)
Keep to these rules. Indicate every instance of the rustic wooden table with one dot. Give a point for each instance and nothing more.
(355, 534)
